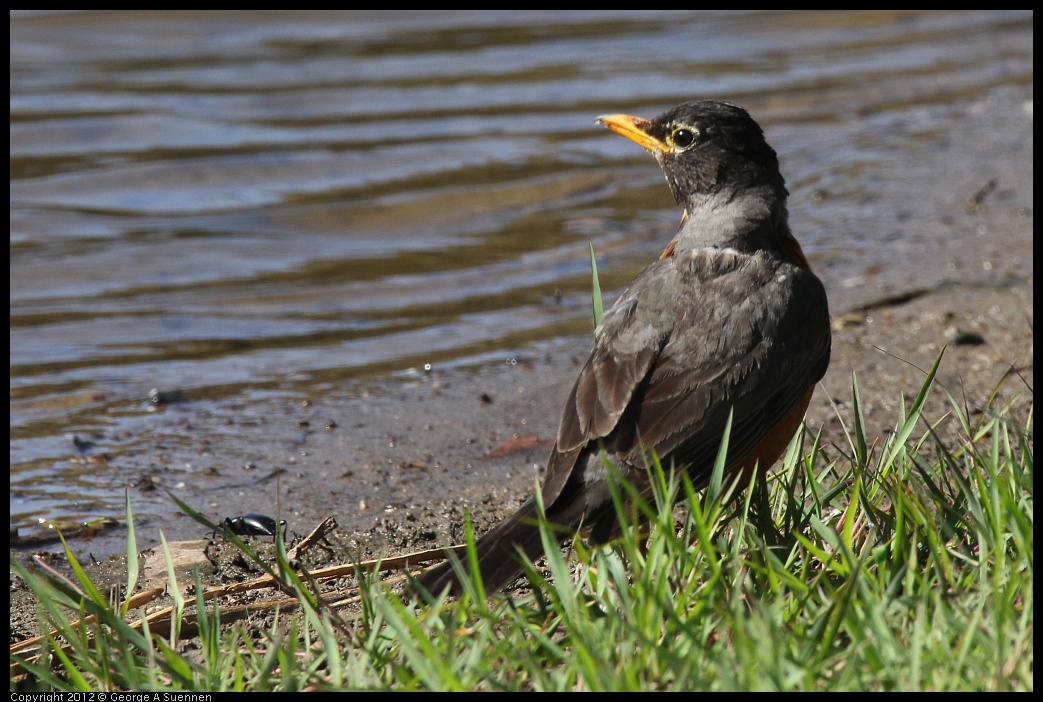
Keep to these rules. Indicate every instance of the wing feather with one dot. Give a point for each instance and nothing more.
(691, 340)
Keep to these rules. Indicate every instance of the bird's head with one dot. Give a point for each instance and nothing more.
(704, 148)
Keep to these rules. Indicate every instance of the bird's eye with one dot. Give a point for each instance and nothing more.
(683, 137)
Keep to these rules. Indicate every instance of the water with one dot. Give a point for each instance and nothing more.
(244, 206)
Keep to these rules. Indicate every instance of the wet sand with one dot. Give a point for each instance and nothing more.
(436, 447)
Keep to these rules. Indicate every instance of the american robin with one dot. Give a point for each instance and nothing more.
(729, 321)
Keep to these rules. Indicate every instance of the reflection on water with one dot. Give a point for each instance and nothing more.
(228, 203)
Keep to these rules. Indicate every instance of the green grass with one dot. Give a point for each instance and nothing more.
(901, 562)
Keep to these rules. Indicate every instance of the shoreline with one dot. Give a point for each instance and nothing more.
(400, 461)
(402, 474)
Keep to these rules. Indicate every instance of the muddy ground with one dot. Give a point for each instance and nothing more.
(443, 444)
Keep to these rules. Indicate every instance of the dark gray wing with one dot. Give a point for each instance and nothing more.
(693, 338)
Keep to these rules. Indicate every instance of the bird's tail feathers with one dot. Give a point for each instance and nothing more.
(498, 555)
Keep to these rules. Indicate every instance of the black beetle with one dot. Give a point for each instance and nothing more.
(253, 525)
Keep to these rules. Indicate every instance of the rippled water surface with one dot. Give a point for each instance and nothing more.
(233, 204)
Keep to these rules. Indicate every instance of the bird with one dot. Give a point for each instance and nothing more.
(729, 323)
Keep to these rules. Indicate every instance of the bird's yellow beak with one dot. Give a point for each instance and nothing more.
(635, 129)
